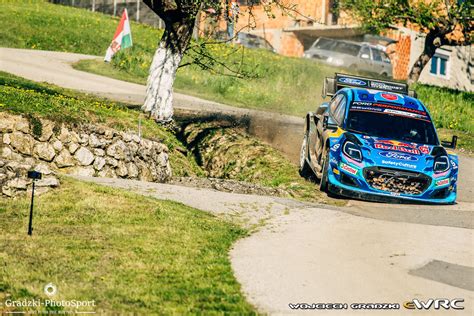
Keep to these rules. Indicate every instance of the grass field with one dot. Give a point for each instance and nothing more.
(129, 253)
(454, 117)
(21, 96)
(281, 84)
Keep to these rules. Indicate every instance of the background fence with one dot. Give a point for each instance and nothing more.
(137, 10)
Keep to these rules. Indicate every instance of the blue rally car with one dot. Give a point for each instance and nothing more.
(375, 141)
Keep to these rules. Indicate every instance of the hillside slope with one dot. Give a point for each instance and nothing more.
(278, 84)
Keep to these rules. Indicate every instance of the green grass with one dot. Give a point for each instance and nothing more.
(448, 108)
(60, 28)
(21, 96)
(129, 253)
(465, 140)
(452, 117)
(40, 100)
(282, 84)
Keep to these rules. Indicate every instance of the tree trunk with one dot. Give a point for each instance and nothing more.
(159, 94)
(432, 41)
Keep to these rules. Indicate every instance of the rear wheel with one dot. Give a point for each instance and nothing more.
(323, 184)
(305, 169)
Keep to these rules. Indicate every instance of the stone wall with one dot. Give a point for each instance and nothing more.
(14, 181)
(87, 150)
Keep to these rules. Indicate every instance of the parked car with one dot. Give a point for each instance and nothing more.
(248, 40)
(374, 140)
(355, 56)
(253, 41)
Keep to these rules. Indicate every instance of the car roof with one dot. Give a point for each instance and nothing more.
(341, 41)
(360, 44)
(369, 95)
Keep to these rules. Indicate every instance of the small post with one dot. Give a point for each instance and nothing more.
(138, 10)
(35, 175)
(30, 224)
(115, 7)
(140, 128)
(93, 5)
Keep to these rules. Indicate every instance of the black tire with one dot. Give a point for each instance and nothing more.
(323, 183)
(304, 169)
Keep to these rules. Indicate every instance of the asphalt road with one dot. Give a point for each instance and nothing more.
(362, 253)
(307, 253)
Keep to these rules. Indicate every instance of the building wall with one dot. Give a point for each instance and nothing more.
(399, 53)
(306, 12)
(272, 28)
(460, 69)
(278, 26)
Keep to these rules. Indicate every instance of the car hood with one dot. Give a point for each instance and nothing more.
(396, 154)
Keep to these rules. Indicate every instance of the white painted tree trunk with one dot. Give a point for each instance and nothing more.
(159, 94)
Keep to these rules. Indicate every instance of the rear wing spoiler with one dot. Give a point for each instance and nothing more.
(332, 85)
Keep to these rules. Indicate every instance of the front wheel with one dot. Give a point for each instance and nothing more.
(305, 170)
(323, 184)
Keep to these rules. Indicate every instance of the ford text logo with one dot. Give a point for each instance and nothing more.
(353, 81)
(398, 156)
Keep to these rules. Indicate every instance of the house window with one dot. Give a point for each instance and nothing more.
(439, 65)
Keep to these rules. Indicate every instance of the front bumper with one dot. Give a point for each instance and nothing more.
(337, 187)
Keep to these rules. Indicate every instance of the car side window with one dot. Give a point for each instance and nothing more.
(340, 110)
(337, 108)
(364, 52)
(385, 58)
(334, 103)
(377, 55)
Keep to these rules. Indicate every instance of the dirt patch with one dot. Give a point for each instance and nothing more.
(231, 186)
(235, 161)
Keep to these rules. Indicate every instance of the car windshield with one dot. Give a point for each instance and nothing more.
(347, 48)
(323, 43)
(392, 126)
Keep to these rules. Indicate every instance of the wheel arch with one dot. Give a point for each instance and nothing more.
(327, 144)
(307, 121)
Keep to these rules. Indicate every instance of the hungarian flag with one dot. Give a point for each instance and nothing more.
(122, 37)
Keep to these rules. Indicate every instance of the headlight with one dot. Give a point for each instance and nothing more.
(351, 150)
(441, 164)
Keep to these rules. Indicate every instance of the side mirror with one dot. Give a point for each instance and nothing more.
(452, 144)
(322, 108)
(365, 56)
(329, 87)
(327, 125)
